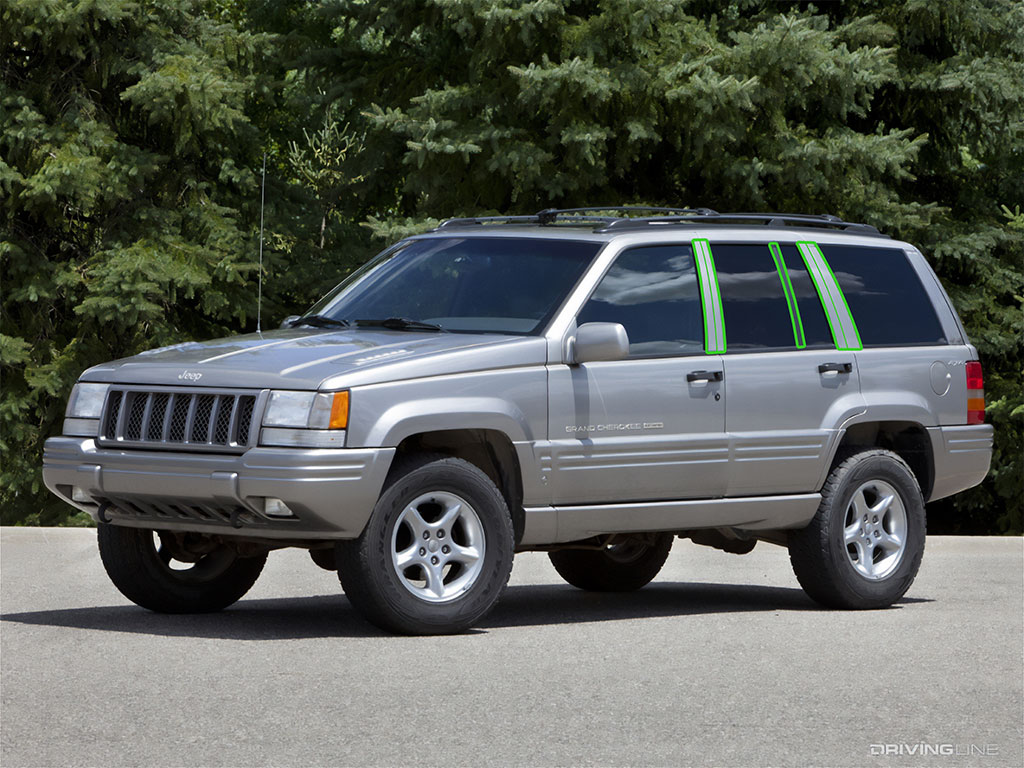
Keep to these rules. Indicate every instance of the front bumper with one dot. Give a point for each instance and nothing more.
(331, 492)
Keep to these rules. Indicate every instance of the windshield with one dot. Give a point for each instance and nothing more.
(465, 284)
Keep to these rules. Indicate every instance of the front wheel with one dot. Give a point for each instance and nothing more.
(437, 551)
(620, 566)
(864, 546)
(176, 572)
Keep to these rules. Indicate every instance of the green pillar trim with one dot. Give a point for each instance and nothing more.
(711, 298)
(840, 319)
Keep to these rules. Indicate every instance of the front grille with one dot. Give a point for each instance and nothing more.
(178, 419)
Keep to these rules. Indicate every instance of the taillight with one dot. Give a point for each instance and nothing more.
(975, 393)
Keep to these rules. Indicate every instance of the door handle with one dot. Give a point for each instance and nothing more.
(704, 376)
(835, 367)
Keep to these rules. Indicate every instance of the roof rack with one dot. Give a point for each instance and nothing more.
(824, 220)
(572, 216)
(538, 219)
(667, 217)
(550, 215)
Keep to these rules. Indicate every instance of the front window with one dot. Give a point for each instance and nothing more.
(652, 292)
(468, 284)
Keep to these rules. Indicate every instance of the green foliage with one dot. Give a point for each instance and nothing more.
(320, 162)
(127, 189)
(132, 131)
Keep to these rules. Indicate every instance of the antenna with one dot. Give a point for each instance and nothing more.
(259, 298)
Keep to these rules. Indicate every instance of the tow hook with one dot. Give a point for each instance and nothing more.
(101, 513)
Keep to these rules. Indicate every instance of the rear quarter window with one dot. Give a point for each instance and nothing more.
(885, 295)
(812, 316)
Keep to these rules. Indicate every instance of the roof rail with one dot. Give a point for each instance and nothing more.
(479, 220)
(570, 216)
(824, 220)
(550, 215)
(667, 217)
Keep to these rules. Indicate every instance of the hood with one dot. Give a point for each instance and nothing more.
(302, 358)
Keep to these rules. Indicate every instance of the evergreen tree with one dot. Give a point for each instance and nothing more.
(128, 201)
(131, 133)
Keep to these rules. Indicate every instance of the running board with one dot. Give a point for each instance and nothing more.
(554, 525)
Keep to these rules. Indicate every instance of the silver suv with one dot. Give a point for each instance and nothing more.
(587, 385)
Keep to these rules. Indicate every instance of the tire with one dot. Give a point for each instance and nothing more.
(324, 558)
(864, 546)
(187, 573)
(436, 554)
(622, 567)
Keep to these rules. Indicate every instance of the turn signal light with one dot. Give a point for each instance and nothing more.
(339, 411)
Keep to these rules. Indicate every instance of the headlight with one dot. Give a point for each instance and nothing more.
(307, 410)
(289, 409)
(86, 401)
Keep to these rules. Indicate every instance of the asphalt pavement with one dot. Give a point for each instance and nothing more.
(721, 661)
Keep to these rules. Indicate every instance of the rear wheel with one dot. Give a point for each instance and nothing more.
(864, 546)
(437, 551)
(624, 565)
(176, 572)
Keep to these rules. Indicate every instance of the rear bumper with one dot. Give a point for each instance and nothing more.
(331, 492)
(962, 457)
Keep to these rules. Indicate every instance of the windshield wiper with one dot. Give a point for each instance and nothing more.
(400, 324)
(319, 321)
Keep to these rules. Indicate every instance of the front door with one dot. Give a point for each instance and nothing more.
(652, 426)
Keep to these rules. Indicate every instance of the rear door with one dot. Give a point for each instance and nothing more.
(791, 375)
(909, 370)
(652, 426)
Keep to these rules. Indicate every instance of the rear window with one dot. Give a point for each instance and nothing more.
(888, 302)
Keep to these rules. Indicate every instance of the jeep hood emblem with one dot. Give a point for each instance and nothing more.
(190, 375)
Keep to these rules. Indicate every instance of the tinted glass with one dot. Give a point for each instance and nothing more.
(886, 297)
(469, 284)
(653, 293)
(812, 316)
(753, 302)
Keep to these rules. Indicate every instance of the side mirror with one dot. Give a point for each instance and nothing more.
(287, 322)
(599, 341)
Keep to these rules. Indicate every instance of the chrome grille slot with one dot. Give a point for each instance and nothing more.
(113, 412)
(136, 411)
(155, 428)
(246, 407)
(176, 419)
(222, 422)
(203, 405)
(179, 416)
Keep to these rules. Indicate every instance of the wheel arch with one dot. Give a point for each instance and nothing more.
(490, 450)
(907, 439)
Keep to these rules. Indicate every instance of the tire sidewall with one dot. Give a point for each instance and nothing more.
(597, 571)
(130, 558)
(857, 589)
(410, 612)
